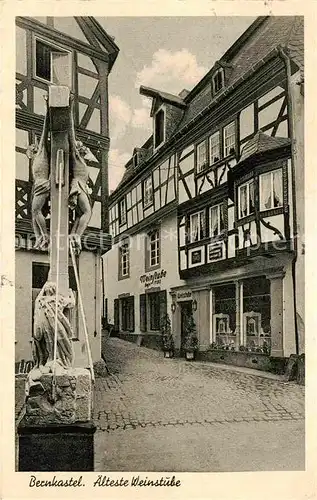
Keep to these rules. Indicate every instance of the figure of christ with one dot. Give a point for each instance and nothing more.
(78, 195)
(41, 185)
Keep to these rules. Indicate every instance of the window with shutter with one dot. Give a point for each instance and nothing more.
(116, 315)
(163, 305)
(143, 312)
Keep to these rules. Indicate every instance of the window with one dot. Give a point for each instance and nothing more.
(271, 190)
(197, 230)
(147, 192)
(154, 248)
(214, 147)
(159, 128)
(216, 222)
(201, 156)
(122, 212)
(218, 81)
(246, 199)
(229, 137)
(124, 260)
(53, 64)
(127, 313)
(135, 159)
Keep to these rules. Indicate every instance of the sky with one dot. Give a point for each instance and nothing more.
(166, 53)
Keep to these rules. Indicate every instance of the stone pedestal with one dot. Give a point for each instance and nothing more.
(55, 448)
(73, 397)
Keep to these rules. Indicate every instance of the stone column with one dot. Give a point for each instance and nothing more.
(277, 345)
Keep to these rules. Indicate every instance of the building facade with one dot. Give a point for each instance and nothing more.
(236, 145)
(78, 53)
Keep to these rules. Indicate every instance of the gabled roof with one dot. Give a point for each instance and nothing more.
(105, 40)
(261, 143)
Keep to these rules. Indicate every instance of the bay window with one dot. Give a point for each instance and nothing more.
(229, 138)
(197, 229)
(271, 190)
(216, 221)
(246, 199)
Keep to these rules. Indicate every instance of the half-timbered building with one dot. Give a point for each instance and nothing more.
(226, 162)
(77, 52)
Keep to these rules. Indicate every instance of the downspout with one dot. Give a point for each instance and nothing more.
(287, 62)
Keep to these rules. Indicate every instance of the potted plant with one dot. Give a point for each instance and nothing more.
(191, 339)
(167, 337)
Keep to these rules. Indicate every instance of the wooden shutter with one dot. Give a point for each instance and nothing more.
(143, 312)
(131, 311)
(163, 305)
(116, 315)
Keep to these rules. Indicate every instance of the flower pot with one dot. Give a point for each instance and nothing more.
(189, 355)
(168, 354)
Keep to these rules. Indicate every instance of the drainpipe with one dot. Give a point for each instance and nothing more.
(287, 62)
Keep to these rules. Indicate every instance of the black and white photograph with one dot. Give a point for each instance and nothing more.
(159, 248)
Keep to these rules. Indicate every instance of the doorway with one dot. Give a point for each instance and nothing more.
(186, 312)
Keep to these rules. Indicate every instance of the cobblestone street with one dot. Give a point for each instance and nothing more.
(156, 414)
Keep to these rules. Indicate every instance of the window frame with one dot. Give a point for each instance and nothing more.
(224, 138)
(127, 305)
(151, 202)
(201, 167)
(199, 225)
(124, 253)
(122, 220)
(159, 111)
(149, 298)
(157, 248)
(220, 207)
(246, 183)
(52, 45)
(271, 173)
(219, 71)
(217, 133)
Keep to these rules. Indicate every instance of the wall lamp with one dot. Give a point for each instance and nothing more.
(194, 305)
(173, 307)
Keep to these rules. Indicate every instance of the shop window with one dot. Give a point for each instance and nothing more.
(229, 138)
(148, 192)
(127, 314)
(52, 63)
(202, 156)
(271, 190)
(197, 226)
(246, 199)
(218, 81)
(216, 221)
(224, 317)
(122, 212)
(124, 260)
(214, 147)
(257, 313)
(159, 126)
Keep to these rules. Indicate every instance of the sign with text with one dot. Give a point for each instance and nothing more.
(151, 279)
(184, 295)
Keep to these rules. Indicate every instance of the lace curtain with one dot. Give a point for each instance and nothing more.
(277, 188)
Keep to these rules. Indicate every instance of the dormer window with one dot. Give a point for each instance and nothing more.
(135, 159)
(218, 81)
(159, 128)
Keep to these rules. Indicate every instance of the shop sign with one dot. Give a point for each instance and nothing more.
(151, 279)
(184, 295)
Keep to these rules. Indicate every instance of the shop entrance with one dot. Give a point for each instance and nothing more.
(186, 311)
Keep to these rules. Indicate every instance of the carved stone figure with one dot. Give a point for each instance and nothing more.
(41, 186)
(44, 328)
(78, 195)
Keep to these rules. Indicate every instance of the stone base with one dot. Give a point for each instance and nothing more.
(56, 448)
(73, 398)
